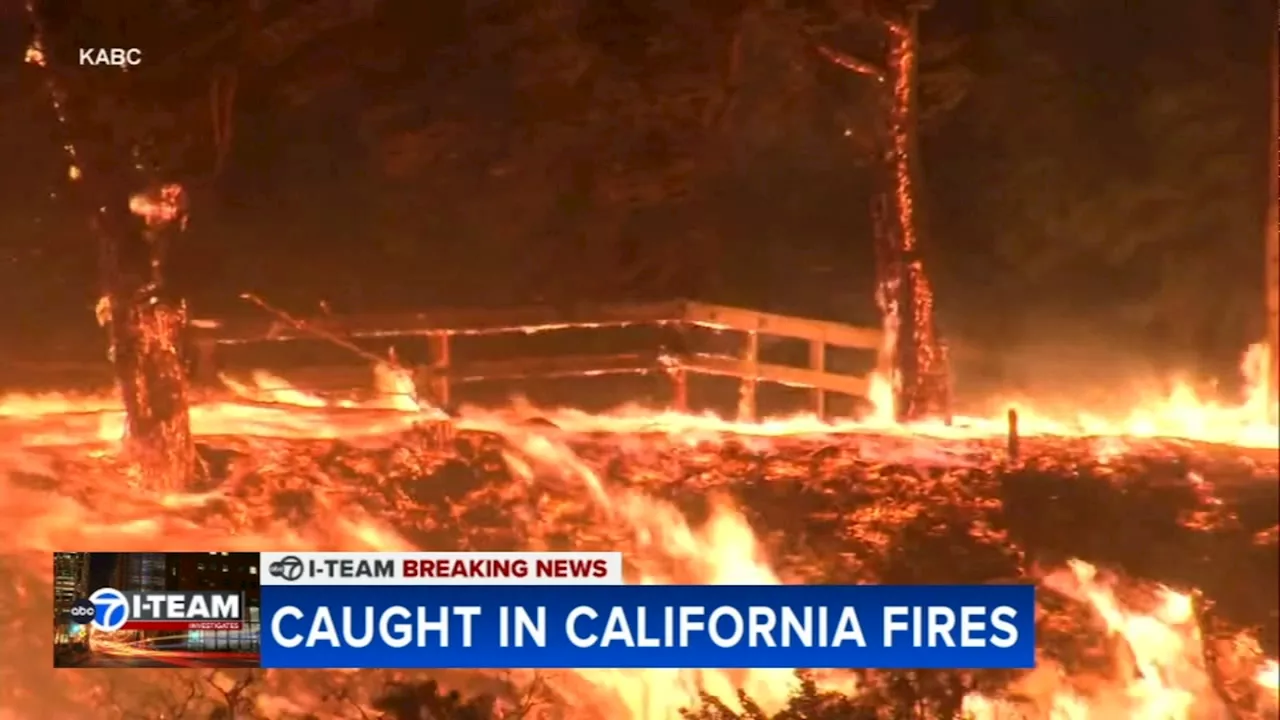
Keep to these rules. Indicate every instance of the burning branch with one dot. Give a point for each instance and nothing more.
(534, 698)
(312, 329)
(184, 705)
(233, 691)
(402, 378)
(38, 56)
(852, 64)
(345, 698)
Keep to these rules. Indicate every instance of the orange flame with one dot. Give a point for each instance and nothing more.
(1165, 679)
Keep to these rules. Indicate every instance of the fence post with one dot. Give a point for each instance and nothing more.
(679, 389)
(1013, 446)
(438, 351)
(818, 362)
(206, 361)
(747, 383)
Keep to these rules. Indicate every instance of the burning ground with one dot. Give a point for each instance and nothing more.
(1156, 558)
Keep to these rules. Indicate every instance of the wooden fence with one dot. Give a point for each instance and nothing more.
(442, 373)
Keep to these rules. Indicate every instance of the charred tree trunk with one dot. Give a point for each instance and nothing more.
(913, 354)
(144, 324)
(146, 327)
(1273, 235)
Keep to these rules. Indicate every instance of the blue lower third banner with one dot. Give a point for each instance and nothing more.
(649, 626)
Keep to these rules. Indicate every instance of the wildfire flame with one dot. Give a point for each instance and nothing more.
(52, 498)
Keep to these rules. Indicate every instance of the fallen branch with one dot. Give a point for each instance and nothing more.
(306, 327)
(390, 361)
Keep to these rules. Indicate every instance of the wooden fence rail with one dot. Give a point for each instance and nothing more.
(440, 328)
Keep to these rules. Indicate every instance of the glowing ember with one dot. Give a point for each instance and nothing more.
(164, 205)
(594, 482)
(35, 55)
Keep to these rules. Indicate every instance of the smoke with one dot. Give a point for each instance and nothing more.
(1071, 364)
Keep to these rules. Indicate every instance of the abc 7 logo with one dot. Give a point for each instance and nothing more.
(288, 568)
(106, 609)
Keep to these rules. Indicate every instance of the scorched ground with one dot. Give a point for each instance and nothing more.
(1157, 558)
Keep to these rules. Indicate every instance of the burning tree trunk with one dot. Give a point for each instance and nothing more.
(1273, 235)
(906, 300)
(913, 353)
(144, 325)
(146, 329)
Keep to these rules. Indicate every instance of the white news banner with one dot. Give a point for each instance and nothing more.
(440, 568)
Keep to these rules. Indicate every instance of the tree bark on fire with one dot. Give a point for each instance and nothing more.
(1272, 258)
(132, 222)
(914, 353)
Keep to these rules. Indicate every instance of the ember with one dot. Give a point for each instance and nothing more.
(1144, 624)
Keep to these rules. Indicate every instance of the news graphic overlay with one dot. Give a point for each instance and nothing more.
(156, 610)
(441, 568)
(572, 610)
(110, 609)
(290, 568)
(179, 610)
(84, 611)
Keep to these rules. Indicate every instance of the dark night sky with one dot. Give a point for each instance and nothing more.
(297, 211)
